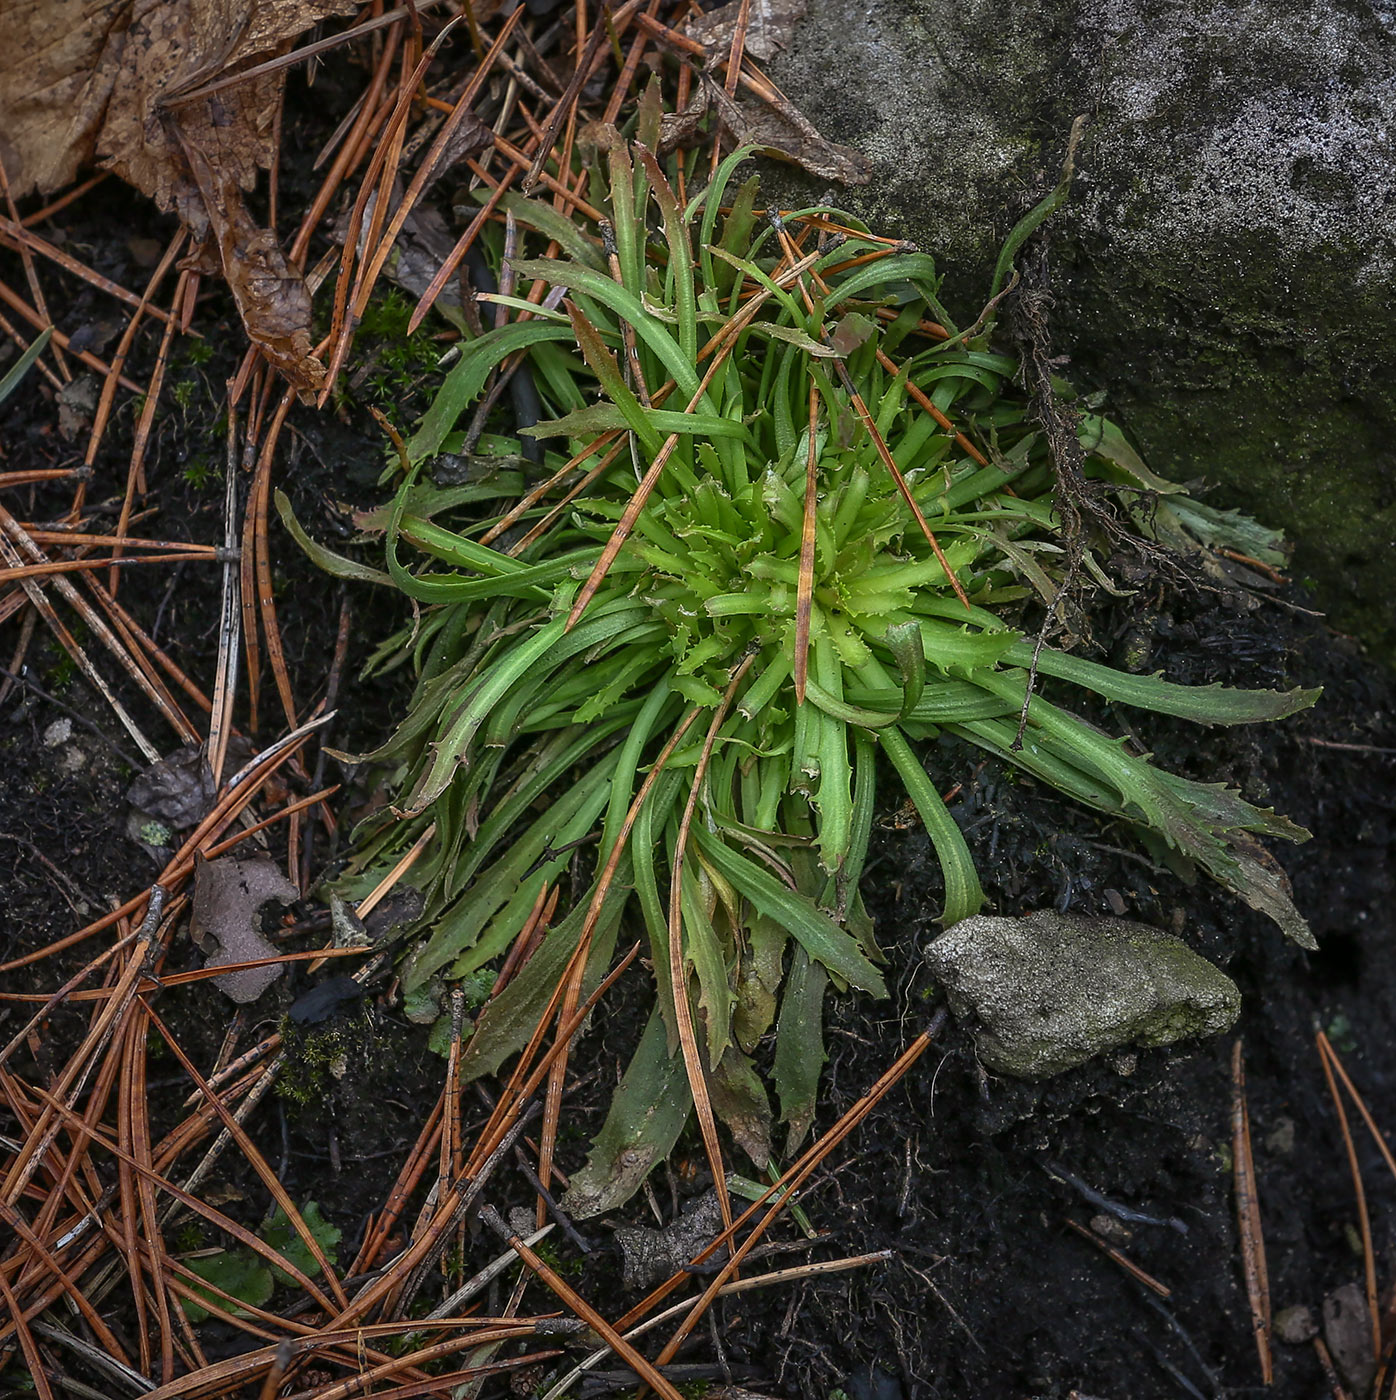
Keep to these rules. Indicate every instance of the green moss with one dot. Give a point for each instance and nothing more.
(1280, 402)
(316, 1055)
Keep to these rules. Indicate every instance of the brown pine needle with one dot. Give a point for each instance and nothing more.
(1127, 1264)
(1369, 1262)
(579, 1307)
(790, 1182)
(961, 441)
(866, 418)
(679, 961)
(1248, 1216)
(78, 566)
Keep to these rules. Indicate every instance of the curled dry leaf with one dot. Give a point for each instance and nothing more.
(778, 128)
(84, 80)
(770, 26)
(228, 893)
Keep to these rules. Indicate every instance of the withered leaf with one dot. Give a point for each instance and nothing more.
(179, 789)
(770, 26)
(101, 79)
(271, 295)
(228, 893)
(783, 131)
(650, 1255)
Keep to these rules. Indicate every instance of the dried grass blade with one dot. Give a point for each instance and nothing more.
(255, 524)
(225, 669)
(678, 963)
(462, 246)
(1248, 1216)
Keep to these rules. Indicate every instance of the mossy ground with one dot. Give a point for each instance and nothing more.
(1223, 270)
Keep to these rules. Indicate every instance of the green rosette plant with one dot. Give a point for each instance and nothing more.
(787, 514)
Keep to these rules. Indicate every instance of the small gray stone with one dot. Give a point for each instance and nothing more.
(1050, 990)
(1347, 1329)
(1295, 1326)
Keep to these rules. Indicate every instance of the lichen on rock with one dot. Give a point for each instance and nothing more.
(1048, 991)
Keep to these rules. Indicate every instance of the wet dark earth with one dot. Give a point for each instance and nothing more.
(976, 1184)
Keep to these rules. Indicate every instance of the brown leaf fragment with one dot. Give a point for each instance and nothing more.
(77, 402)
(770, 27)
(179, 789)
(1349, 1338)
(228, 894)
(58, 65)
(271, 295)
(682, 128)
(781, 130)
(102, 79)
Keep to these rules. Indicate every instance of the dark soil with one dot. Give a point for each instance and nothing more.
(963, 1176)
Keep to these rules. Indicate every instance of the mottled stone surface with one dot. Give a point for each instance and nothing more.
(1048, 991)
(1225, 266)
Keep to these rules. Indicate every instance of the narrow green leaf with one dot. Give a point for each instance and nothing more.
(334, 564)
(22, 366)
(963, 894)
(462, 386)
(816, 932)
(800, 1046)
(1205, 704)
(647, 1114)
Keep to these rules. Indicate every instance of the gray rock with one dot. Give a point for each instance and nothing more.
(1224, 267)
(1050, 990)
(1295, 1326)
(1347, 1328)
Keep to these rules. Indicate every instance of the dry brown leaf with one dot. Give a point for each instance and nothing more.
(100, 79)
(228, 892)
(783, 131)
(770, 26)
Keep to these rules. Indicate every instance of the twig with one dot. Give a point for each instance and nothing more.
(1128, 1265)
